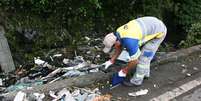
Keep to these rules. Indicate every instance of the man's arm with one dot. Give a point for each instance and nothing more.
(132, 47)
(131, 64)
(118, 50)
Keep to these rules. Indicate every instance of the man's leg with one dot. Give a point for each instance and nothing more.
(147, 54)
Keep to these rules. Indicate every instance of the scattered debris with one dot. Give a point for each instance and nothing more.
(57, 55)
(63, 95)
(79, 94)
(52, 73)
(155, 86)
(39, 97)
(188, 74)
(66, 61)
(106, 97)
(139, 93)
(156, 68)
(183, 65)
(88, 52)
(195, 68)
(43, 72)
(75, 94)
(21, 96)
(1, 82)
(72, 73)
(184, 71)
(21, 85)
(87, 38)
(38, 61)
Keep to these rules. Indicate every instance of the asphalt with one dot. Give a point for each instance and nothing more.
(165, 78)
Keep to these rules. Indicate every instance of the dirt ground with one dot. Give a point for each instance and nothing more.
(163, 78)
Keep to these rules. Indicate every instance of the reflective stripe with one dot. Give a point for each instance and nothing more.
(135, 56)
(148, 53)
(138, 75)
(149, 37)
(144, 66)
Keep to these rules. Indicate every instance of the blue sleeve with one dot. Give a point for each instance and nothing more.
(131, 45)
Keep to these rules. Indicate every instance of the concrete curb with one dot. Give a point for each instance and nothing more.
(90, 79)
(174, 56)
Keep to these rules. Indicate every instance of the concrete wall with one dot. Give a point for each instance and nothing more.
(6, 61)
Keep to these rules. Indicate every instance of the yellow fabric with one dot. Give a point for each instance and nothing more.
(149, 37)
(133, 30)
(130, 30)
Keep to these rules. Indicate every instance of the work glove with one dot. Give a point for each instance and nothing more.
(122, 73)
(107, 64)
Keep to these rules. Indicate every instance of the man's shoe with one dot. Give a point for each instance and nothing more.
(129, 84)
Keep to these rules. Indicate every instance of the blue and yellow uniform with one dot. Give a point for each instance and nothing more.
(139, 31)
(146, 31)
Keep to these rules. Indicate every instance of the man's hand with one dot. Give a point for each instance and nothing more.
(107, 64)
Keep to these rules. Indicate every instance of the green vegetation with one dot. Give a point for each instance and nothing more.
(59, 23)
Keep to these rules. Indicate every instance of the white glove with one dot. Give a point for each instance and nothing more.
(107, 64)
(121, 73)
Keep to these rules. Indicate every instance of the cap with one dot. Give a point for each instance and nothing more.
(109, 41)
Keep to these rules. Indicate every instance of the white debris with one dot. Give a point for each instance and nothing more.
(39, 97)
(195, 68)
(57, 55)
(155, 85)
(88, 52)
(52, 94)
(73, 73)
(80, 65)
(51, 58)
(66, 61)
(76, 92)
(64, 95)
(94, 70)
(1, 82)
(97, 48)
(97, 56)
(21, 96)
(188, 74)
(139, 93)
(38, 61)
(52, 73)
(183, 65)
(184, 71)
(47, 65)
(79, 58)
(124, 56)
(87, 38)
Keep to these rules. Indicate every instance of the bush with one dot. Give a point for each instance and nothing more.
(193, 36)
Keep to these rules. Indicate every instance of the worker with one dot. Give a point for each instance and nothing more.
(141, 38)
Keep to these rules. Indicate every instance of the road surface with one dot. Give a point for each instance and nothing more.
(175, 81)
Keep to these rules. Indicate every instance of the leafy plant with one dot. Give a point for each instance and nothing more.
(193, 36)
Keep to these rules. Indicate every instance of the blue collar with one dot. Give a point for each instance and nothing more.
(118, 36)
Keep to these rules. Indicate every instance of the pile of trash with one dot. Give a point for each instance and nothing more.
(43, 72)
(77, 94)
(56, 65)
